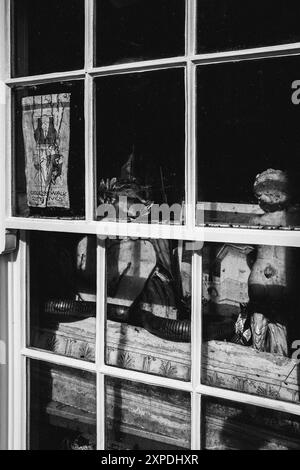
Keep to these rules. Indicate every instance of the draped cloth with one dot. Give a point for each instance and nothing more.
(46, 132)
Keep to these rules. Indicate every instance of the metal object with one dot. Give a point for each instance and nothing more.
(8, 242)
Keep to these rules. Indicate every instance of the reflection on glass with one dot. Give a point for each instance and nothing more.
(149, 307)
(62, 408)
(49, 151)
(231, 24)
(234, 426)
(47, 38)
(132, 30)
(141, 147)
(63, 294)
(248, 141)
(251, 322)
(142, 417)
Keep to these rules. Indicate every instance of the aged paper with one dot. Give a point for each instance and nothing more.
(46, 130)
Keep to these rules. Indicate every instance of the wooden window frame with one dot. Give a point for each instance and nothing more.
(17, 266)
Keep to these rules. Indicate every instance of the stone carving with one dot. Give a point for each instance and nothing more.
(269, 282)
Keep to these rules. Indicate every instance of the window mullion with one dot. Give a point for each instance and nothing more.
(89, 34)
(267, 52)
(190, 116)
(196, 319)
(196, 419)
(196, 348)
(138, 67)
(101, 305)
(64, 361)
(101, 342)
(190, 146)
(191, 27)
(89, 114)
(89, 150)
(254, 400)
(101, 411)
(46, 78)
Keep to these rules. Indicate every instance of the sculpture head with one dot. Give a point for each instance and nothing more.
(272, 189)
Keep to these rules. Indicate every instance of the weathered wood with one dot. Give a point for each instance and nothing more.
(126, 346)
(236, 426)
(136, 349)
(221, 435)
(76, 339)
(65, 386)
(224, 364)
(163, 416)
(149, 412)
(244, 369)
(69, 400)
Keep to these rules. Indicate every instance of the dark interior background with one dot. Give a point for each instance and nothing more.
(144, 112)
(129, 30)
(54, 275)
(47, 36)
(236, 24)
(247, 123)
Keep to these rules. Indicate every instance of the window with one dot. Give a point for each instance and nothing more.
(152, 173)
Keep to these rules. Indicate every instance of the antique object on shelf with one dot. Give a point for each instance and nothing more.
(140, 271)
(270, 281)
(236, 367)
(235, 362)
(273, 192)
(145, 277)
(119, 198)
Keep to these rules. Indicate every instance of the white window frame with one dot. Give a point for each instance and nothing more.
(19, 353)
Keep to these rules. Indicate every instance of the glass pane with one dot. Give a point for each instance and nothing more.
(149, 307)
(47, 37)
(235, 426)
(63, 294)
(133, 30)
(62, 408)
(251, 322)
(248, 142)
(141, 147)
(143, 417)
(49, 151)
(231, 24)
